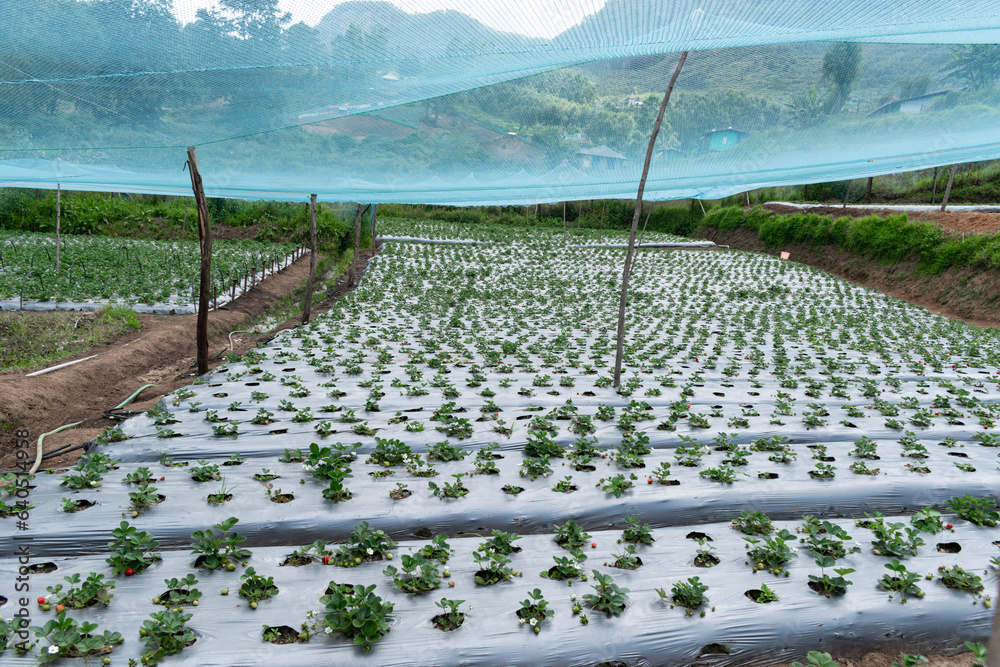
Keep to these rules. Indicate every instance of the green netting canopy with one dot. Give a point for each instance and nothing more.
(518, 102)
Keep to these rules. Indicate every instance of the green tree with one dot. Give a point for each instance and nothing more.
(806, 109)
(841, 67)
(977, 65)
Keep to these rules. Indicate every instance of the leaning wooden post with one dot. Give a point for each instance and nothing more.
(947, 190)
(635, 221)
(871, 179)
(374, 218)
(205, 238)
(58, 216)
(357, 244)
(847, 193)
(934, 186)
(312, 259)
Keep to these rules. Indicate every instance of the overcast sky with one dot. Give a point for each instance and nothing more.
(535, 18)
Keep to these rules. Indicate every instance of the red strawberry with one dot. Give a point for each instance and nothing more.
(593, 545)
(326, 560)
(42, 600)
(949, 526)
(129, 572)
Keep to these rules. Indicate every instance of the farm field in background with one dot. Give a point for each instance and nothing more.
(447, 439)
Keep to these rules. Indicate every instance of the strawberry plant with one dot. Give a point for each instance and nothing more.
(689, 594)
(165, 634)
(205, 472)
(900, 580)
(418, 574)
(450, 617)
(637, 532)
(891, 540)
(534, 610)
(626, 558)
(959, 579)
(359, 615)
(438, 549)
(179, 592)
(449, 490)
(363, 544)
(256, 587)
(533, 468)
(94, 590)
(567, 567)
(825, 584)
(980, 511)
(219, 551)
(68, 639)
(618, 484)
(756, 523)
(570, 536)
(818, 659)
(132, 550)
(608, 596)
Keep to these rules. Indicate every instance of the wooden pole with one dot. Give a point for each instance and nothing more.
(993, 643)
(312, 259)
(847, 193)
(947, 190)
(619, 353)
(564, 221)
(58, 216)
(184, 225)
(374, 218)
(871, 179)
(934, 186)
(205, 239)
(357, 244)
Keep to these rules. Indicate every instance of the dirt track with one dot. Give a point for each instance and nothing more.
(162, 353)
(969, 223)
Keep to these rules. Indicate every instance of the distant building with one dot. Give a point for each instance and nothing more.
(721, 140)
(601, 157)
(909, 105)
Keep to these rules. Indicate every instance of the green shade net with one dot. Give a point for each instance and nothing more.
(418, 104)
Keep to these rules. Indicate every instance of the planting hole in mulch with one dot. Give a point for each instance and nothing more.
(695, 535)
(714, 649)
(706, 560)
(767, 475)
(3, 600)
(670, 482)
(280, 634)
(524, 417)
(423, 533)
(489, 577)
(287, 370)
(261, 477)
(233, 463)
(279, 431)
(82, 505)
(949, 547)
(251, 384)
(511, 490)
(218, 498)
(718, 393)
(399, 494)
(585, 468)
(638, 564)
(961, 455)
(164, 597)
(221, 394)
(446, 624)
(755, 595)
(282, 498)
(589, 393)
(296, 561)
(42, 568)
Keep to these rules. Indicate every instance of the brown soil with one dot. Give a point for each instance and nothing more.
(968, 223)
(967, 294)
(162, 352)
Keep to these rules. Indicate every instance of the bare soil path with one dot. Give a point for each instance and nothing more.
(161, 353)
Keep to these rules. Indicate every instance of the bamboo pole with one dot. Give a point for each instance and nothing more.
(934, 186)
(357, 244)
(205, 239)
(58, 216)
(619, 352)
(947, 190)
(312, 259)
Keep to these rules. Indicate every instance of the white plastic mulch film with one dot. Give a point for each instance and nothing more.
(467, 102)
(750, 385)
